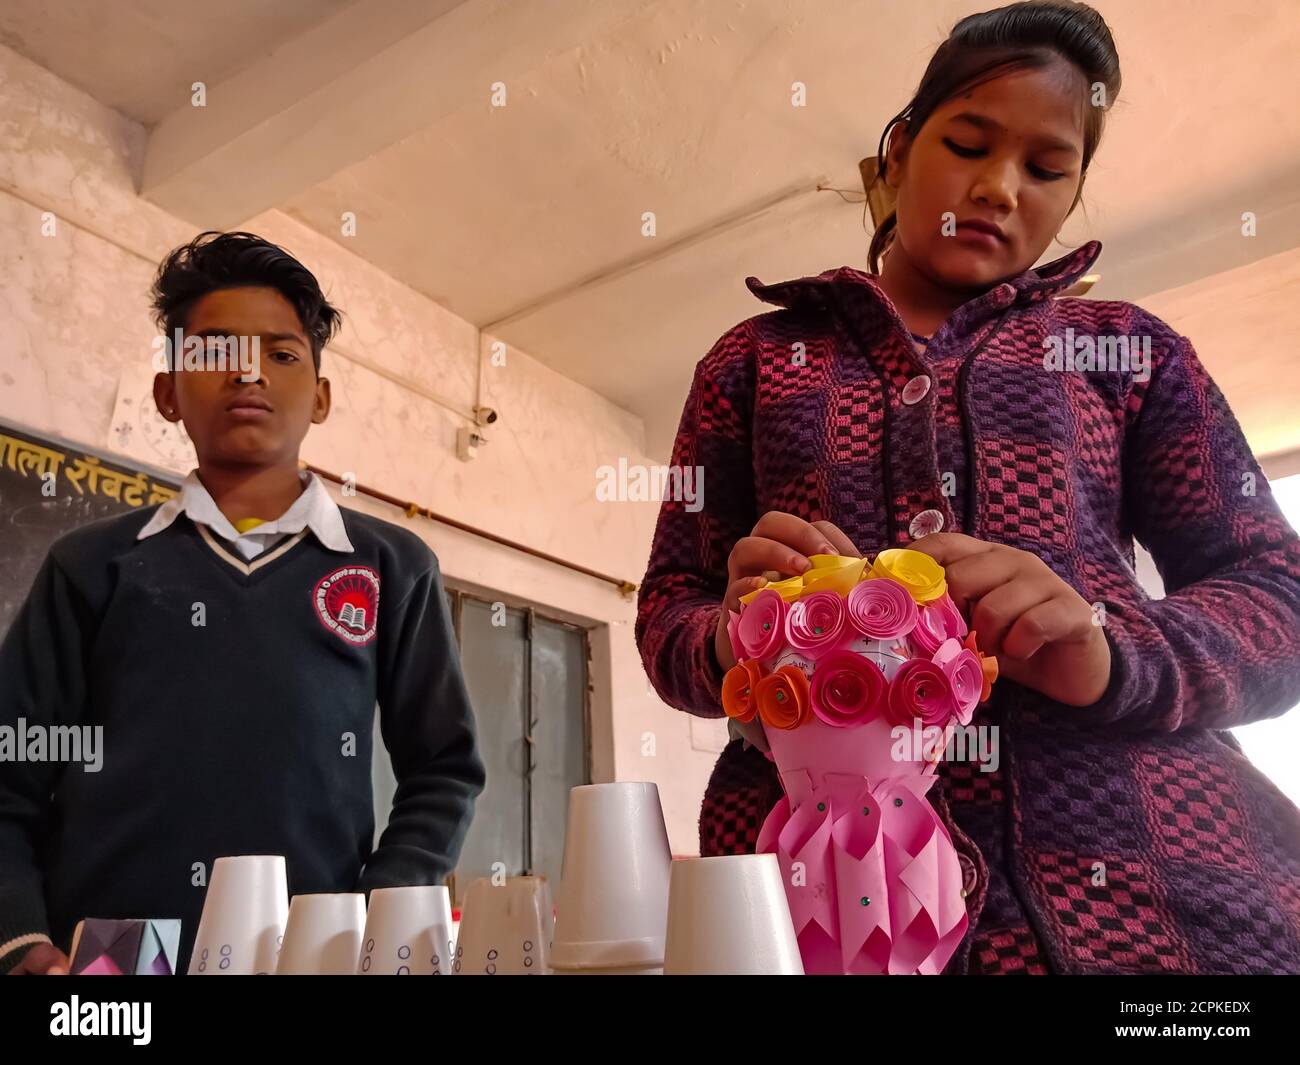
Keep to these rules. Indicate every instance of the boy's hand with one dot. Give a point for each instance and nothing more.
(1040, 628)
(780, 545)
(42, 959)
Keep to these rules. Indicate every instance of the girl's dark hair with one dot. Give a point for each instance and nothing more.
(214, 260)
(986, 45)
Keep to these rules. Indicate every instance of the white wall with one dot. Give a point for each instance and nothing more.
(1239, 321)
(74, 326)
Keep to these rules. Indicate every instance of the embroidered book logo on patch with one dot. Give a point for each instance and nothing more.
(347, 603)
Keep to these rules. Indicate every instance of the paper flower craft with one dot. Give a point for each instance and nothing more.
(834, 664)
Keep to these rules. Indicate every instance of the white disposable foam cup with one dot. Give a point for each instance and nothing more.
(506, 928)
(243, 919)
(612, 909)
(729, 916)
(322, 935)
(408, 932)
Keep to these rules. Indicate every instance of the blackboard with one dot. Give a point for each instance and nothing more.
(49, 487)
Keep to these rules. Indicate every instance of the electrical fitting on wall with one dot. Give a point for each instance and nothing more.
(469, 439)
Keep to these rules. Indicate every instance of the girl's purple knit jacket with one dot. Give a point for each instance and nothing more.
(1129, 836)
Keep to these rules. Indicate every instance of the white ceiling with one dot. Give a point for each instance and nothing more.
(526, 219)
(142, 56)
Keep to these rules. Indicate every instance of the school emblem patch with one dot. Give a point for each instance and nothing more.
(347, 603)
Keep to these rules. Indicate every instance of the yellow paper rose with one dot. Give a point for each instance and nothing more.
(833, 573)
(916, 571)
(788, 589)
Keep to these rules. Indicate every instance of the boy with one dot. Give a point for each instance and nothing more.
(232, 643)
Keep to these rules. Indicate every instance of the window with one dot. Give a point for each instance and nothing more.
(527, 680)
(1272, 744)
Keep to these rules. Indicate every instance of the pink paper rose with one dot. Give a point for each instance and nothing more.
(938, 621)
(921, 689)
(848, 689)
(816, 624)
(965, 675)
(881, 609)
(762, 625)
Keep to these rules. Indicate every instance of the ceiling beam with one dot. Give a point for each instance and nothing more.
(345, 90)
(714, 228)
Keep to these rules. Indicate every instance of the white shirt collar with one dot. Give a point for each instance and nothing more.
(314, 510)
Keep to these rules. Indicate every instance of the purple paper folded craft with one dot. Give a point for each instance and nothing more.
(139, 947)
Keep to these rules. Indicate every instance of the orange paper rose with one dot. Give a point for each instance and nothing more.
(738, 687)
(783, 698)
(988, 664)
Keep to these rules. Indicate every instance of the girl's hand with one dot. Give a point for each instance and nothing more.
(42, 959)
(778, 547)
(1040, 628)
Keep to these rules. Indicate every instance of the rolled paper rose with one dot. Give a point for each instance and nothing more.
(953, 621)
(738, 698)
(762, 625)
(816, 624)
(784, 700)
(833, 573)
(789, 590)
(920, 689)
(916, 571)
(928, 634)
(733, 634)
(965, 674)
(937, 621)
(988, 663)
(881, 609)
(847, 690)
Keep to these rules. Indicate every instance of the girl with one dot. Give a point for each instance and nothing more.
(920, 405)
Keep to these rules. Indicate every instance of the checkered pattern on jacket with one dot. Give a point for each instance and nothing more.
(1130, 836)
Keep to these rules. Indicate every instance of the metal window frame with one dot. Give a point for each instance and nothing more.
(531, 615)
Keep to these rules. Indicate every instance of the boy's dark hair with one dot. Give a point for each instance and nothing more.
(988, 44)
(215, 260)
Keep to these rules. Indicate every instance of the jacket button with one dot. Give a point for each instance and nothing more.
(916, 389)
(925, 523)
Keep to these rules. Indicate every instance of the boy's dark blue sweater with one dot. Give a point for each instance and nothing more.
(236, 701)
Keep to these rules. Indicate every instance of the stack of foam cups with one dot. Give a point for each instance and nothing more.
(728, 916)
(612, 909)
